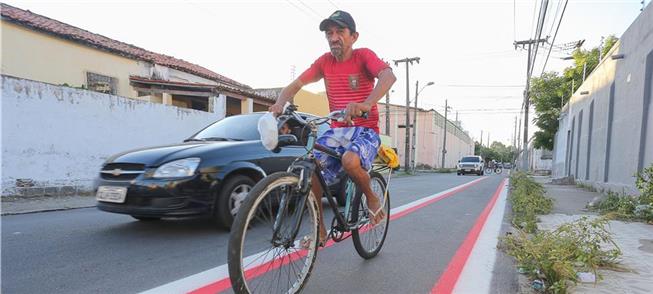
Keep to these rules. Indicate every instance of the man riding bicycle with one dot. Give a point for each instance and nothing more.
(349, 80)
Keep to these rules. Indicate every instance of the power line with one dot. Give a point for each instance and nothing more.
(302, 10)
(479, 86)
(540, 26)
(554, 18)
(533, 22)
(514, 20)
(334, 5)
(554, 37)
(310, 8)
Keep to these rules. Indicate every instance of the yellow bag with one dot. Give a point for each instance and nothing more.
(388, 156)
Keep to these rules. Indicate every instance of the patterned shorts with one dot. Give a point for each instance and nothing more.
(362, 141)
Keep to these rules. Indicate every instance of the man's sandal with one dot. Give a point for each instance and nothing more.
(374, 214)
(306, 241)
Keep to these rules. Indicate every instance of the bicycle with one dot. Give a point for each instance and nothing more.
(278, 211)
(488, 171)
(498, 170)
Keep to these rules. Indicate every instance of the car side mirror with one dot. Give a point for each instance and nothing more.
(285, 140)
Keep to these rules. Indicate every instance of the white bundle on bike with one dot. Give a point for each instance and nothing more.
(267, 128)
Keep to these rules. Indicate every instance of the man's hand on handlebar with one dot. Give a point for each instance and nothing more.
(276, 109)
(356, 110)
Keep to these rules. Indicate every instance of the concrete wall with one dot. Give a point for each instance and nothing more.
(54, 138)
(430, 130)
(312, 103)
(606, 130)
(539, 161)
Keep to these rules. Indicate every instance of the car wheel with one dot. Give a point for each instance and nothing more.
(146, 218)
(231, 195)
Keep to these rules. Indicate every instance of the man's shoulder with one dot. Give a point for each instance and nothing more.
(364, 51)
(325, 57)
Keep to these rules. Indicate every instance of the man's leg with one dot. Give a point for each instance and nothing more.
(316, 188)
(352, 165)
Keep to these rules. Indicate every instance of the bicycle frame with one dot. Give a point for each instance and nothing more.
(305, 166)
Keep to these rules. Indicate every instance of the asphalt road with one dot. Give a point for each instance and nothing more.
(89, 251)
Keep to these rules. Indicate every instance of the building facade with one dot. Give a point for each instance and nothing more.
(39, 48)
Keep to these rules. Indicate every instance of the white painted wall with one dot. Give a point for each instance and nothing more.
(59, 136)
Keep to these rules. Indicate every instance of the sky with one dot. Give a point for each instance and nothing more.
(466, 47)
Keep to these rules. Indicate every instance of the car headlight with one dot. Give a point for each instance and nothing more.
(178, 168)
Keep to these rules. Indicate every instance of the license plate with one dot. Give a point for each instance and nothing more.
(111, 194)
(468, 170)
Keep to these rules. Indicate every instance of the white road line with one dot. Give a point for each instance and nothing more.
(204, 278)
(476, 276)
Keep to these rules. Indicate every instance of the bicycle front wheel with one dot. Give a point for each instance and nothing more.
(369, 239)
(273, 242)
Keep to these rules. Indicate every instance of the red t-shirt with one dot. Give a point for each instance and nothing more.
(349, 81)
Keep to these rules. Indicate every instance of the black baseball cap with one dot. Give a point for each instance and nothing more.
(340, 18)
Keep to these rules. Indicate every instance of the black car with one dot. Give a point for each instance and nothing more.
(210, 173)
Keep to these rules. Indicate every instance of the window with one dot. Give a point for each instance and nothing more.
(101, 83)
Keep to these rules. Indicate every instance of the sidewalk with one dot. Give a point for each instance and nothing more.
(635, 240)
(19, 205)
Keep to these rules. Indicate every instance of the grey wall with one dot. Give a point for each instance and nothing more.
(55, 138)
(618, 142)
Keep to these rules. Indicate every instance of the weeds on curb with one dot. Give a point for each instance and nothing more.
(528, 200)
(556, 257)
(631, 208)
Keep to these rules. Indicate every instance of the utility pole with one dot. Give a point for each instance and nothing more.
(444, 140)
(408, 61)
(481, 138)
(387, 113)
(514, 136)
(387, 108)
(601, 49)
(529, 65)
(488, 140)
(417, 91)
(518, 139)
(414, 141)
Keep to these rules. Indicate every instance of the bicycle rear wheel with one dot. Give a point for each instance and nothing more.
(259, 260)
(369, 239)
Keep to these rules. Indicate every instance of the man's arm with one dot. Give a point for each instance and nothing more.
(386, 80)
(286, 95)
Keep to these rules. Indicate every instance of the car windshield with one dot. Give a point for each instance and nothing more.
(470, 159)
(237, 127)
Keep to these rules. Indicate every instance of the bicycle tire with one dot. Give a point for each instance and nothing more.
(238, 273)
(359, 206)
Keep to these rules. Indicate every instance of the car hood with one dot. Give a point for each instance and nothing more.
(156, 156)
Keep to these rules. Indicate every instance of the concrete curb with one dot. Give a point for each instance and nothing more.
(24, 205)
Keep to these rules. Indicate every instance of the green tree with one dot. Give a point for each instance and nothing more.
(496, 151)
(552, 90)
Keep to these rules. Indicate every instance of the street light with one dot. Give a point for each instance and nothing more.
(412, 149)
